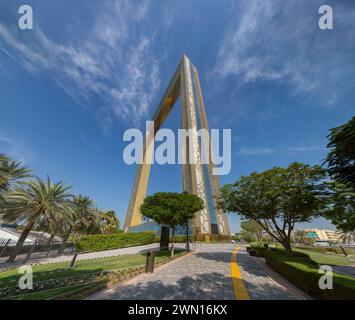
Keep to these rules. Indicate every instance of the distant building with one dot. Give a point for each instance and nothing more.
(324, 235)
(8, 232)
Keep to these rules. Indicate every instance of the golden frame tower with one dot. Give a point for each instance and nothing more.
(197, 176)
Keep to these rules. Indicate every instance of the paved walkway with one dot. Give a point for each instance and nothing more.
(204, 275)
(262, 283)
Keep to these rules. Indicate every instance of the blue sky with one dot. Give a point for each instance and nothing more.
(88, 71)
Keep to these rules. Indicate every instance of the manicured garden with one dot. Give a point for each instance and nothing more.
(56, 279)
(302, 269)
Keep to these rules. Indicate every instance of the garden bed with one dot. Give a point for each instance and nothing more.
(57, 281)
(303, 272)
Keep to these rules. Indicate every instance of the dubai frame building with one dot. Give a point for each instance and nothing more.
(211, 222)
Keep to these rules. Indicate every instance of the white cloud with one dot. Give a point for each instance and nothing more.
(307, 149)
(280, 41)
(265, 151)
(255, 151)
(112, 64)
(16, 150)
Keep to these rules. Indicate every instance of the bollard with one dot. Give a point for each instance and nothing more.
(188, 246)
(164, 238)
(149, 266)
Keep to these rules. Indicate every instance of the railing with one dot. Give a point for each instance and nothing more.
(34, 251)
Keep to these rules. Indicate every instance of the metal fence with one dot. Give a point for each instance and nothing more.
(35, 251)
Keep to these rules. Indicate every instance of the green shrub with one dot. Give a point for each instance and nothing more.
(260, 249)
(303, 273)
(99, 242)
(257, 248)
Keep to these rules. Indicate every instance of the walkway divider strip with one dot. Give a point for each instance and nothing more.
(240, 292)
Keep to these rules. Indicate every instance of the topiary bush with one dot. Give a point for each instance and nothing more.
(100, 242)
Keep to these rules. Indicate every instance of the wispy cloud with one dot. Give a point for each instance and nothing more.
(272, 151)
(280, 41)
(16, 150)
(111, 69)
(255, 151)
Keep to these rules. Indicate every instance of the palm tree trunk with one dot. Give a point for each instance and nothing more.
(50, 240)
(22, 239)
(172, 243)
(64, 243)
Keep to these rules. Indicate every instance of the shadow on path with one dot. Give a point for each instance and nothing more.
(207, 286)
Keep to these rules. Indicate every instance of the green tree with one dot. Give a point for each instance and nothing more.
(236, 237)
(247, 236)
(33, 200)
(109, 222)
(52, 223)
(348, 236)
(83, 219)
(340, 207)
(341, 157)
(171, 209)
(301, 237)
(254, 228)
(277, 198)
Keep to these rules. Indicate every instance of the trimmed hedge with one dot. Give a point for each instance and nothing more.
(303, 272)
(100, 242)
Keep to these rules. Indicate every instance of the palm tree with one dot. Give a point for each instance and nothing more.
(34, 200)
(347, 237)
(109, 222)
(84, 219)
(52, 223)
(11, 172)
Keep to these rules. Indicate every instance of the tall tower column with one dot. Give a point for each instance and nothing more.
(197, 175)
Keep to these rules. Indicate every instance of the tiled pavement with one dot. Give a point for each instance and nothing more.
(203, 275)
(262, 283)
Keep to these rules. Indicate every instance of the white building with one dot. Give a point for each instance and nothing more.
(11, 233)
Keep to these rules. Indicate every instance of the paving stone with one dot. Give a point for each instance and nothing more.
(203, 275)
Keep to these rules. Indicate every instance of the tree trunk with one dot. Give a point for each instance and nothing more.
(64, 243)
(22, 239)
(50, 240)
(287, 246)
(172, 243)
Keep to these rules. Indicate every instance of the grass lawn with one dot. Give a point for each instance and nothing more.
(44, 272)
(326, 258)
(48, 294)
